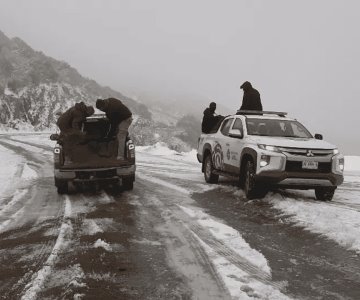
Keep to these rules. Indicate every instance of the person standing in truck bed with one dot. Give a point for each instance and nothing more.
(120, 118)
(251, 99)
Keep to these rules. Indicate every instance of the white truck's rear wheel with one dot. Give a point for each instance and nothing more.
(210, 177)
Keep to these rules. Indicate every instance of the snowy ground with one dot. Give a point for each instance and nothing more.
(171, 187)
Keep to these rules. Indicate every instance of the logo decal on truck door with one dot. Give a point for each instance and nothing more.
(218, 157)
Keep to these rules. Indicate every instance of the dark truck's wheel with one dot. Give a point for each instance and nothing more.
(324, 193)
(62, 187)
(128, 183)
(210, 177)
(252, 190)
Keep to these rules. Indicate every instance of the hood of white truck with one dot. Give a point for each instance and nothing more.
(291, 142)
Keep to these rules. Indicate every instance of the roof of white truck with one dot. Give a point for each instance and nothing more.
(263, 114)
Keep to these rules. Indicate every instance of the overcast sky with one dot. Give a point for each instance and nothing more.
(302, 56)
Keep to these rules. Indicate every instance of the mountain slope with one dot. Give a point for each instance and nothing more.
(35, 88)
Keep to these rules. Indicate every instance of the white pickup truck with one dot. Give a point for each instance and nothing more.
(268, 149)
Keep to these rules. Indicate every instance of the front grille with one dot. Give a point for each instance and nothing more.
(296, 166)
(305, 152)
(96, 174)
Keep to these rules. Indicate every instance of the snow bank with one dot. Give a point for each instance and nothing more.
(229, 237)
(352, 163)
(161, 149)
(240, 285)
(338, 223)
(28, 173)
(7, 174)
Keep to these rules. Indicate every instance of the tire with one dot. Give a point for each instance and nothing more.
(324, 193)
(251, 188)
(62, 188)
(128, 183)
(249, 183)
(210, 177)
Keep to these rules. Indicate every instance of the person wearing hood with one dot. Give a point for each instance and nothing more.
(72, 119)
(120, 118)
(70, 123)
(251, 99)
(210, 119)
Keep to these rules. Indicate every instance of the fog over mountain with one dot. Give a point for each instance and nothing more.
(35, 88)
(302, 56)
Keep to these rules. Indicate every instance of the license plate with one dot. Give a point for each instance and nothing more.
(312, 165)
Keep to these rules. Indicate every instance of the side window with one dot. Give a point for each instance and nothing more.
(238, 125)
(226, 126)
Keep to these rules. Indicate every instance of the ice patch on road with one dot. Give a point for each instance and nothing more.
(229, 237)
(102, 244)
(338, 223)
(147, 242)
(164, 183)
(72, 276)
(28, 173)
(90, 227)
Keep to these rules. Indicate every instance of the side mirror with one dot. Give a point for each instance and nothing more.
(236, 133)
(54, 137)
(318, 136)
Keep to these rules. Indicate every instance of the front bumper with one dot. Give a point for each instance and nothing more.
(286, 171)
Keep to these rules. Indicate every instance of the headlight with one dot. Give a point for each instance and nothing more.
(335, 151)
(264, 160)
(269, 148)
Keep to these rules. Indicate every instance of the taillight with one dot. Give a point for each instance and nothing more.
(57, 156)
(131, 151)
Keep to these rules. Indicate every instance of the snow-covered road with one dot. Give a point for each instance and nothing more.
(172, 237)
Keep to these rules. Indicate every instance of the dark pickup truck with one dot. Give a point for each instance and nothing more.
(93, 159)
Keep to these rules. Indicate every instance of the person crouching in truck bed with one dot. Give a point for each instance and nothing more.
(120, 118)
(210, 119)
(70, 123)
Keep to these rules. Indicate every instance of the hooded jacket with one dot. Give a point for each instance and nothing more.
(209, 121)
(116, 111)
(251, 99)
(74, 117)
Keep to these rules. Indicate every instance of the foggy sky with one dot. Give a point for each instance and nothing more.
(302, 56)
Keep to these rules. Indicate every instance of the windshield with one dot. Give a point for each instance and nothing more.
(276, 127)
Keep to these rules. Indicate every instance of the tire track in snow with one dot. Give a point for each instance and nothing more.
(64, 237)
(205, 235)
(40, 146)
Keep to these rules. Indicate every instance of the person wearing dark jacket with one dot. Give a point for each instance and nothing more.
(210, 120)
(251, 99)
(120, 118)
(72, 119)
(70, 123)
